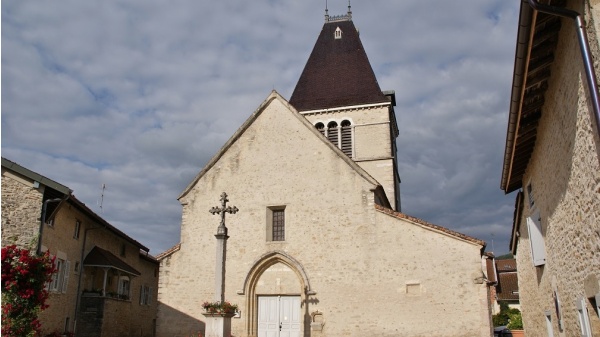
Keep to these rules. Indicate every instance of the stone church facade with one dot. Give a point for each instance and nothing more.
(319, 246)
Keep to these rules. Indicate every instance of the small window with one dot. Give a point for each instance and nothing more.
(77, 228)
(276, 223)
(145, 295)
(67, 324)
(338, 33)
(60, 278)
(123, 289)
(123, 249)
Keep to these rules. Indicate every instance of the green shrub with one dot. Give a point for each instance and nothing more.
(515, 321)
(503, 317)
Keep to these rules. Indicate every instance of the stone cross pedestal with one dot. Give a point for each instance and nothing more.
(217, 324)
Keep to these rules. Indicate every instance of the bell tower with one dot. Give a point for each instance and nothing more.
(339, 94)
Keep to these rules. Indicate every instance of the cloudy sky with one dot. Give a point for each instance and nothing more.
(139, 95)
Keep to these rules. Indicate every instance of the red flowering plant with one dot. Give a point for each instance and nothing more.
(24, 294)
(219, 307)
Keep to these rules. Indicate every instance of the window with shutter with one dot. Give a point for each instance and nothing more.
(76, 230)
(66, 272)
(145, 295)
(346, 135)
(536, 239)
(333, 133)
(58, 276)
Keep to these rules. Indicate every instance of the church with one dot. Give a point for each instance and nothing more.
(319, 246)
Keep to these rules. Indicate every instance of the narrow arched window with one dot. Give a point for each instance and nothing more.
(346, 136)
(321, 127)
(333, 133)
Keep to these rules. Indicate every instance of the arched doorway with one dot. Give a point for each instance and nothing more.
(276, 289)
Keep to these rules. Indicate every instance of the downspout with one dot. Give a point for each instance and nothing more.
(585, 51)
(43, 223)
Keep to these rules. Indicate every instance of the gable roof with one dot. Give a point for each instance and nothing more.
(377, 189)
(508, 287)
(10, 165)
(65, 193)
(337, 73)
(431, 226)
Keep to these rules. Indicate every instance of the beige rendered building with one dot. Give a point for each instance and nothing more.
(319, 246)
(552, 160)
(106, 284)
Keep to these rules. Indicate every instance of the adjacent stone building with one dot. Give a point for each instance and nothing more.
(319, 246)
(106, 284)
(552, 161)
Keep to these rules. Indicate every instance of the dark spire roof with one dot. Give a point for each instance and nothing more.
(338, 72)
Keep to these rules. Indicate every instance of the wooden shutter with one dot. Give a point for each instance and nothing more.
(536, 239)
(66, 272)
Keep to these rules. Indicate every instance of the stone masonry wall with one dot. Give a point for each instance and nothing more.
(21, 210)
(564, 172)
(372, 142)
(372, 274)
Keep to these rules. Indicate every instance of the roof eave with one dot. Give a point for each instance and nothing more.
(519, 77)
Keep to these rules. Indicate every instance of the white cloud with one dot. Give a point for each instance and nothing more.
(138, 95)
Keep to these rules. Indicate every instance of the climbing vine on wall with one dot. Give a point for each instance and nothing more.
(24, 293)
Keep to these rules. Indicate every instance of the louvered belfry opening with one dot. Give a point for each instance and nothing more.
(333, 134)
(321, 128)
(346, 135)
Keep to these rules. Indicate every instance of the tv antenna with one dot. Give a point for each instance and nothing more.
(102, 196)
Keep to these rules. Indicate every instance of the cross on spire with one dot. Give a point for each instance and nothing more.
(222, 210)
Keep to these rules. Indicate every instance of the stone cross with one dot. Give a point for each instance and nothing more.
(221, 246)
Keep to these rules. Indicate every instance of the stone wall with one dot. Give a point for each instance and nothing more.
(564, 172)
(21, 210)
(372, 141)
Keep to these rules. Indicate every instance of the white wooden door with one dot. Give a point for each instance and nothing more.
(279, 316)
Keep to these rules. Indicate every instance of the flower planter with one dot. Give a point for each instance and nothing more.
(518, 333)
(217, 324)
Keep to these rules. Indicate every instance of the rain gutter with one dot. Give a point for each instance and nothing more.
(520, 73)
